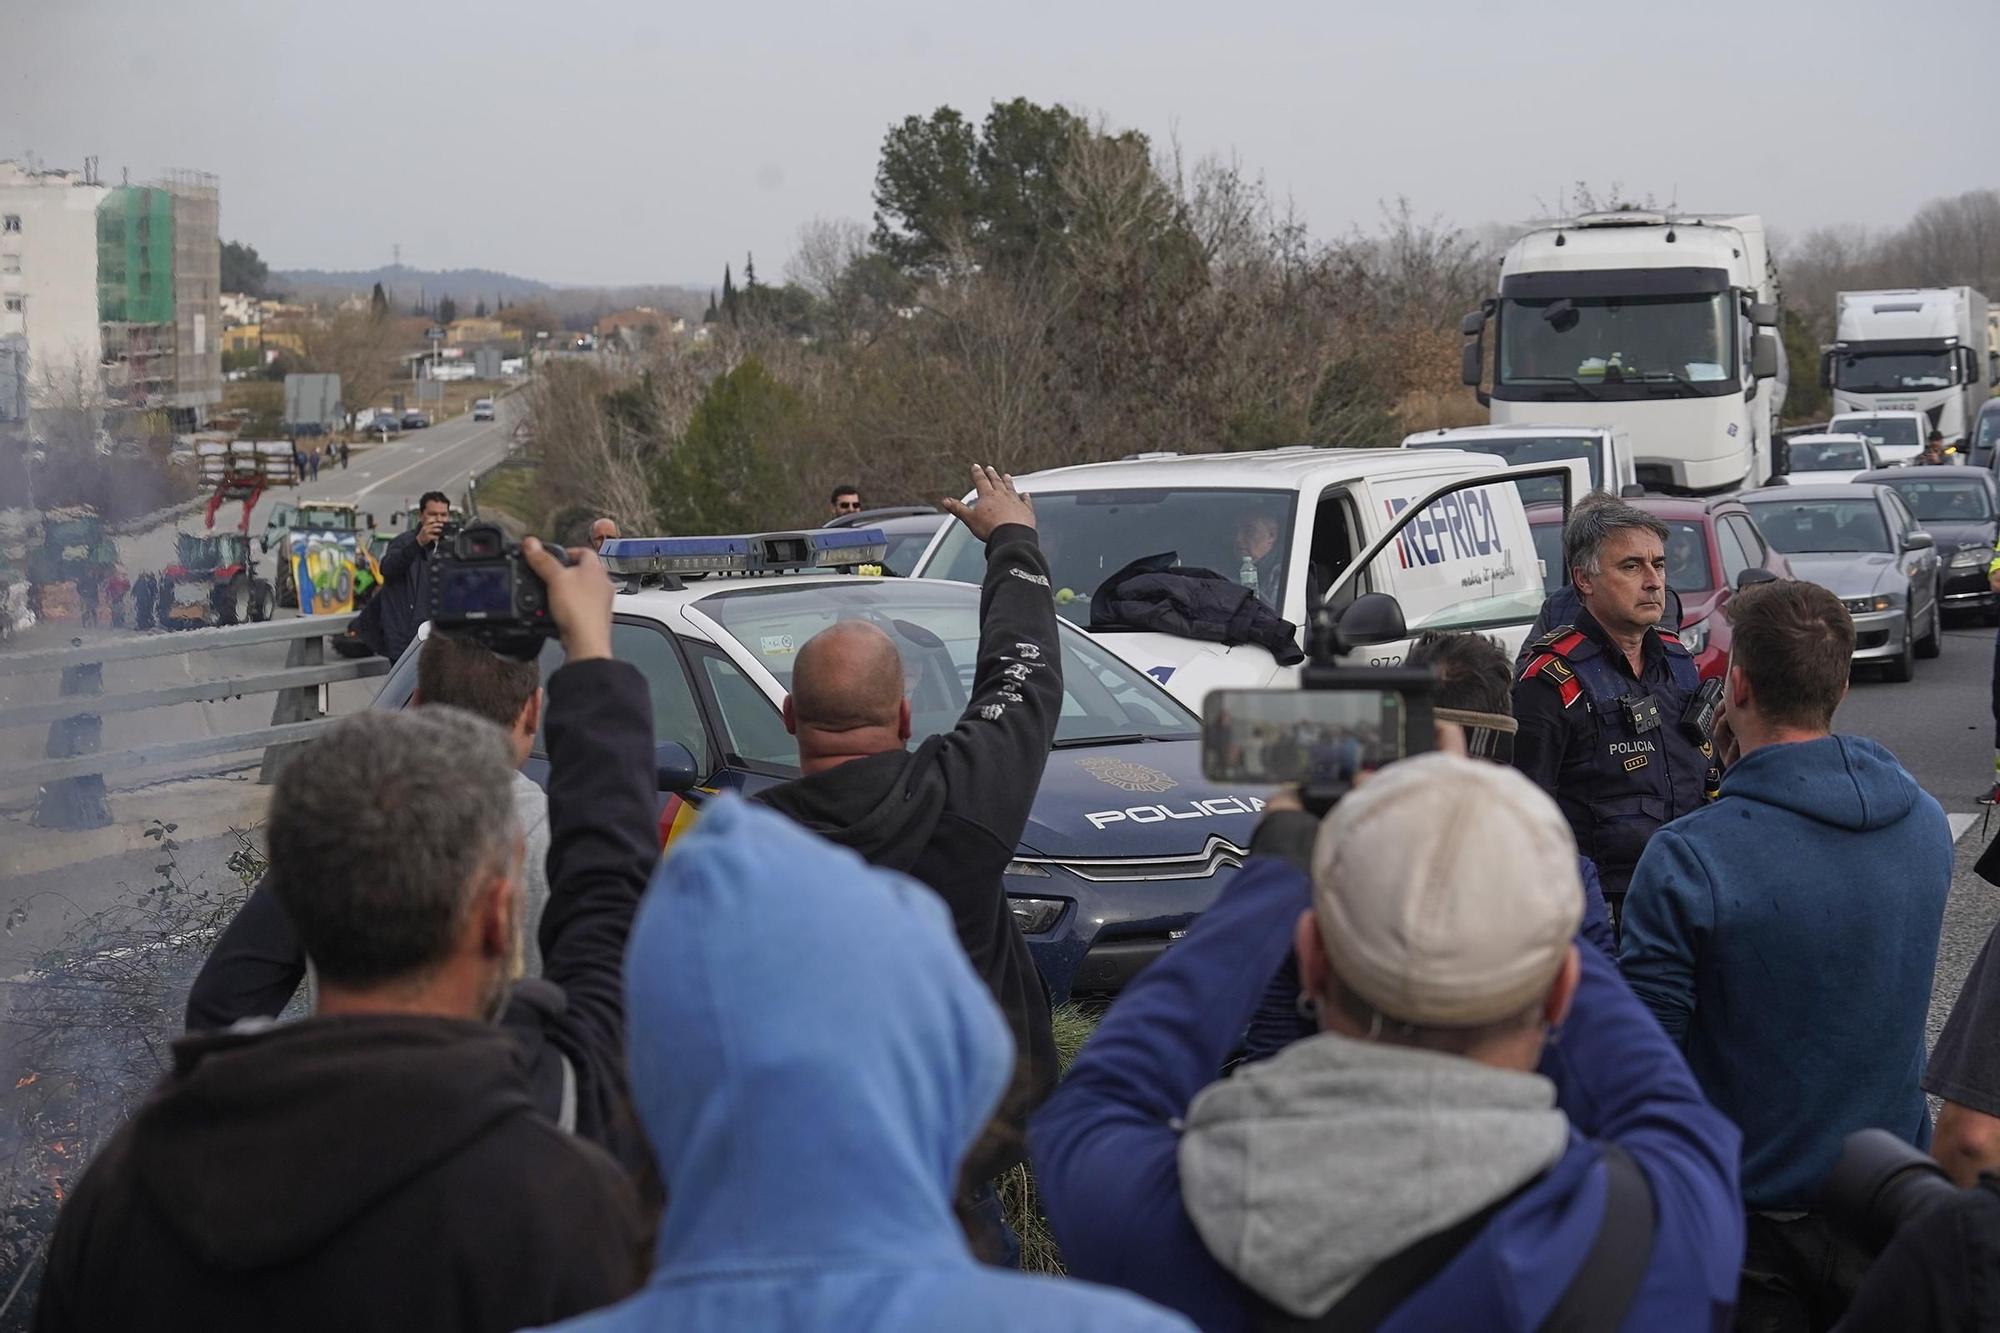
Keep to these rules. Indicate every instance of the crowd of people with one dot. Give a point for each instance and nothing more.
(1522, 1034)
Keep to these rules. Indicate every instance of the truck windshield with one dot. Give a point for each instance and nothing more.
(1090, 535)
(1521, 450)
(1892, 372)
(1618, 346)
(1811, 527)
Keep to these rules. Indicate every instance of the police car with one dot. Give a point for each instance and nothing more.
(1442, 532)
(1127, 842)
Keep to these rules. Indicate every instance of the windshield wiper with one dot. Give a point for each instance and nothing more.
(1577, 384)
(1074, 742)
(1662, 378)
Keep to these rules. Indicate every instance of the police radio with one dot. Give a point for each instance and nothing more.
(1340, 722)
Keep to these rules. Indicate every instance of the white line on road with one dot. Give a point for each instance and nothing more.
(450, 448)
(1959, 824)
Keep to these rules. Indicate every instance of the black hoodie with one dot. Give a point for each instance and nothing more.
(343, 1174)
(951, 813)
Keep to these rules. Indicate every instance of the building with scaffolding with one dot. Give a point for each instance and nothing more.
(110, 296)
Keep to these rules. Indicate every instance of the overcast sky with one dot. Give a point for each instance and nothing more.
(616, 141)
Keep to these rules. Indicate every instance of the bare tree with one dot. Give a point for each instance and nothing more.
(356, 346)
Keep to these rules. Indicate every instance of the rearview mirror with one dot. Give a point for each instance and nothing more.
(1473, 324)
(1764, 357)
(1471, 361)
(1373, 617)
(1918, 541)
(674, 767)
(1754, 575)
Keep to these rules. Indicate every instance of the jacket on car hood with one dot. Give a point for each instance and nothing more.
(1306, 1171)
(1158, 593)
(811, 1054)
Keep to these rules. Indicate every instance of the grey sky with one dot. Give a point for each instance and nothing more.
(623, 141)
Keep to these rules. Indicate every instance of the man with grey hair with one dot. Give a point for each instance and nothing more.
(1606, 700)
(399, 1159)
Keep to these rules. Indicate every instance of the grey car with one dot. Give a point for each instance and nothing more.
(1862, 544)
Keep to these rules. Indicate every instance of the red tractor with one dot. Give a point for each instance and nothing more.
(213, 580)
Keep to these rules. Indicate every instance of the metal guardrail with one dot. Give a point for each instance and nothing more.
(71, 778)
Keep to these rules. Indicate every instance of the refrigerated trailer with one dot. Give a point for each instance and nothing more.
(1913, 350)
(1662, 326)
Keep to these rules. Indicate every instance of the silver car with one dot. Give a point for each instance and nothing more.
(1862, 544)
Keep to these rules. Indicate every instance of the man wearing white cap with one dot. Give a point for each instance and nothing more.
(1488, 1130)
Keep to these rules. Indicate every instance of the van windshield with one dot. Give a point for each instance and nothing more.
(1887, 432)
(1828, 456)
(1521, 450)
(1243, 535)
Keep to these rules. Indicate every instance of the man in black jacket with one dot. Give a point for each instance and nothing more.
(388, 623)
(951, 812)
(396, 1160)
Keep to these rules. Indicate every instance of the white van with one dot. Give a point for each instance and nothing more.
(1607, 449)
(1443, 532)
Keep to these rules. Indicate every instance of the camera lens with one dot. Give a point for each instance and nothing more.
(1880, 1185)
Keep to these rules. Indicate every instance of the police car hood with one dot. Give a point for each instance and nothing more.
(1850, 573)
(1137, 801)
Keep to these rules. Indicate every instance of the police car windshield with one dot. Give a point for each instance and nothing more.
(1945, 501)
(936, 629)
(1813, 527)
(1090, 535)
(1520, 451)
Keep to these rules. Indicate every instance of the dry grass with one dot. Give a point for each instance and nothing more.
(1039, 1254)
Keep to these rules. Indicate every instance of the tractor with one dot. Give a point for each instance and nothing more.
(314, 516)
(213, 580)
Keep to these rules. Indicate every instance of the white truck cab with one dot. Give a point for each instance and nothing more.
(1607, 449)
(1444, 532)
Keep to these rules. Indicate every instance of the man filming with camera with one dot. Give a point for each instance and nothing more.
(388, 623)
(421, 1152)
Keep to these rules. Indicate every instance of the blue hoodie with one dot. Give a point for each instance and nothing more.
(1108, 1146)
(812, 1054)
(1786, 935)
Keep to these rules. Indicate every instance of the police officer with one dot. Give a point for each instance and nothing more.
(1607, 704)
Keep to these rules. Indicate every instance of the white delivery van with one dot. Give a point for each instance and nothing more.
(1607, 449)
(1444, 532)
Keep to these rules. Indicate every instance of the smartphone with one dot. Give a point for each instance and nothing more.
(1305, 737)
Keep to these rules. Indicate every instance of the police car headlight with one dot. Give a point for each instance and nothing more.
(1881, 601)
(1971, 558)
(1694, 637)
(1036, 915)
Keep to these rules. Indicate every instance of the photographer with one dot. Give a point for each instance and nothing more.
(1406, 1168)
(1937, 1248)
(389, 622)
(398, 1160)
(258, 962)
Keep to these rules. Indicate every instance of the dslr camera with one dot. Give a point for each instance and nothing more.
(1880, 1185)
(483, 590)
(1341, 720)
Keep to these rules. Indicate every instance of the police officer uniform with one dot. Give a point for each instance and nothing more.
(1615, 750)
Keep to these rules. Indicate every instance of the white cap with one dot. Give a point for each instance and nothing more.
(1447, 891)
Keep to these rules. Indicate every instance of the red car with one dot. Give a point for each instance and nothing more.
(1710, 544)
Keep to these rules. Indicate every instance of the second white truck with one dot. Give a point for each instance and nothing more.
(1920, 349)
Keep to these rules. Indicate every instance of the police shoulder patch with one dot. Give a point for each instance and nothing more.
(1549, 667)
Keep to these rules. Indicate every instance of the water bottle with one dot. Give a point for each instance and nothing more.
(1247, 576)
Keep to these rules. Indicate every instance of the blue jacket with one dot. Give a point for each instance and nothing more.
(811, 1054)
(1785, 936)
(1105, 1146)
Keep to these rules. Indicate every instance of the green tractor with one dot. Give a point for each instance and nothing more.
(311, 516)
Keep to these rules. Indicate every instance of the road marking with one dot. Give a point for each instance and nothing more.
(450, 448)
(1959, 824)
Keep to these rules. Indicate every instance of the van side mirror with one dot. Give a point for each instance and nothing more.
(1631, 490)
(1373, 617)
(1754, 575)
(1764, 357)
(674, 767)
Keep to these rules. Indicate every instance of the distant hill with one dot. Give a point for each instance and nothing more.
(467, 286)
(403, 283)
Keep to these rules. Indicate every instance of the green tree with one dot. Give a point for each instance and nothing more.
(243, 271)
(378, 303)
(1805, 399)
(926, 188)
(447, 310)
(728, 294)
(1022, 147)
(710, 315)
(726, 472)
(479, 308)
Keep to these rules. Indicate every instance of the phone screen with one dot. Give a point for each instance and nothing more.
(1300, 736)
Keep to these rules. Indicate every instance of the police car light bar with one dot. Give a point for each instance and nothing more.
(754, 553)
